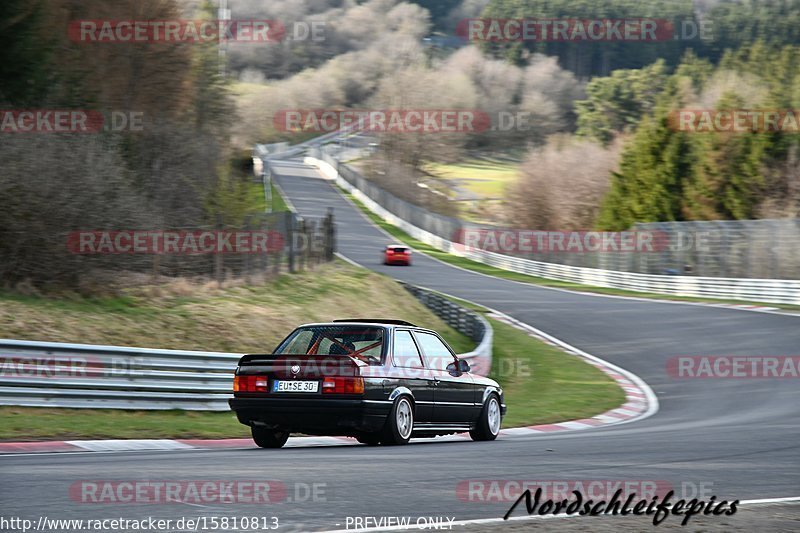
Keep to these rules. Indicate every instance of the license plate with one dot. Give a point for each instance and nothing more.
(295, 386)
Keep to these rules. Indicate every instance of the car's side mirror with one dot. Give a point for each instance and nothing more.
(458, 368)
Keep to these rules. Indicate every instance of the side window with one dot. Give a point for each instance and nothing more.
(406, 354)
(437, 355)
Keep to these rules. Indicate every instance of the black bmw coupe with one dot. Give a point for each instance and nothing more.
(380, 381)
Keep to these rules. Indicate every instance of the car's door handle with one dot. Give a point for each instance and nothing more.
(435, 382)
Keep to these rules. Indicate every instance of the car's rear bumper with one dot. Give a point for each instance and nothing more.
(397, 259)
(313, 416)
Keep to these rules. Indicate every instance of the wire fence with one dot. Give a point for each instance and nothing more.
(264, 245)
(761, 249)
(440, 225)
(756, 249)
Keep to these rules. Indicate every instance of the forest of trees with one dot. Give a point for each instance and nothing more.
(614, 97)
(161, 176)
(667, 174)
(602, 151)
(732, 24)
(658, 173)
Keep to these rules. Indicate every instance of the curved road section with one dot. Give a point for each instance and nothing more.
(733, 438)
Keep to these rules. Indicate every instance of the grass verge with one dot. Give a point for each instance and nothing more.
(482, 268)
(278, 203)
(40, 423)
(235, 318)
(542, 384)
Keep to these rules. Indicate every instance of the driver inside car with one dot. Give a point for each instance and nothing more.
(343, 347)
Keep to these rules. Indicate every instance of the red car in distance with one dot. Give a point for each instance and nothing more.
(397, 254)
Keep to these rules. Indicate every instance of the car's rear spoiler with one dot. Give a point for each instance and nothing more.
(392, 321)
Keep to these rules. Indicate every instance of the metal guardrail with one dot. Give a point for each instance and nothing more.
(44, 374)
(47, 374)
(746, 289)
(758, 249)
(464, 321)
(779, 291)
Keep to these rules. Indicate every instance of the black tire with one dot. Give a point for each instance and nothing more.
(488, 425)
(400, 423)
(370, 439)
(269, 438)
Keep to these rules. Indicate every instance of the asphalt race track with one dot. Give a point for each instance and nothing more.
(739, 437)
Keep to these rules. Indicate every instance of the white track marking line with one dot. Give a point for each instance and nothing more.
(124, 445)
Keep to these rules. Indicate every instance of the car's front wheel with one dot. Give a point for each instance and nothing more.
(400, 423)
(488, 426)
(269, 438)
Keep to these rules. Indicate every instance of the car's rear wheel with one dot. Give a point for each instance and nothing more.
(269, 438)
(400, 423)
(488, 426)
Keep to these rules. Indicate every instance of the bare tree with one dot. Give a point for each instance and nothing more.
(562, 184)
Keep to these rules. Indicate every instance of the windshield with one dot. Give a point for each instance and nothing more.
(362, 342)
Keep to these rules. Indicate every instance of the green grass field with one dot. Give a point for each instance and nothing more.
(278, 203)
(485, 177)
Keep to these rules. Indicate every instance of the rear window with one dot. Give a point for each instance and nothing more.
(362, 342)
(399, 249)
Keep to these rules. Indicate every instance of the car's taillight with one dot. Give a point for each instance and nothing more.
(343, 385)
(250, 383)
